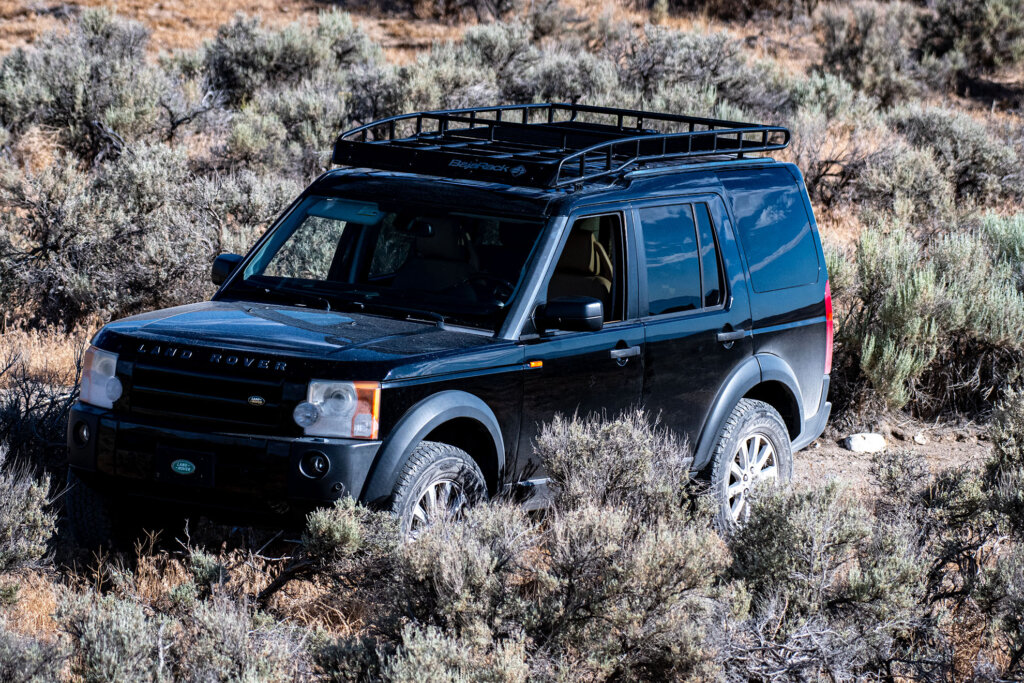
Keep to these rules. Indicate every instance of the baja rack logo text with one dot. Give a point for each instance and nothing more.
(219, 358)
(487, 166)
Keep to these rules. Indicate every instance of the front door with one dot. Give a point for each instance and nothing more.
(697, 319)
(585, 372)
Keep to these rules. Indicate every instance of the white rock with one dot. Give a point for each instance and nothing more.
(864, 443)
(920, 439)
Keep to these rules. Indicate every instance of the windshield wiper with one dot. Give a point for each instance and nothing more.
(302, 295)
(409, 312)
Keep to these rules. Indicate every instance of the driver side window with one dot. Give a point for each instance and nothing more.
(591, 264)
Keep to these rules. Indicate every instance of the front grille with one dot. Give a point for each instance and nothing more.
(209, 401)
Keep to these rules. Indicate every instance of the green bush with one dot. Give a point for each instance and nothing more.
(114, 639)
(245, 57)
(988, 33)
(869, 45)
(223, 641)
(347, 529)
(976, 161)
(650, 60)
(941, 326)
(28, 660)
(91, 83)
(432, 654)
(907, 181)
(624, 461)
(27, 522)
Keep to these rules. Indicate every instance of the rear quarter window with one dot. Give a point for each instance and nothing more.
(773, 228)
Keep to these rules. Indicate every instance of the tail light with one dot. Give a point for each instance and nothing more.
(829, 328)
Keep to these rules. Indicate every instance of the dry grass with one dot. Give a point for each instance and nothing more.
(32, 614)
(46, 354)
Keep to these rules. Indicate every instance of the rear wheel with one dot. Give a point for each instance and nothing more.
(438, 482)
(753, 449)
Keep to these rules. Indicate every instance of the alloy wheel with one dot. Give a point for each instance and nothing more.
(440, 500)
(754, 461)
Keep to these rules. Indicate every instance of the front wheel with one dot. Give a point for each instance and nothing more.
(438, 482)
(753, 448)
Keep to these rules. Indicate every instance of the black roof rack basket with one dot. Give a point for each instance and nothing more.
(545, 145)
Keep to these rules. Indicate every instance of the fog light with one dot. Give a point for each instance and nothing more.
(306, 414)
(82, 433)
(314, 464)
(114, 389)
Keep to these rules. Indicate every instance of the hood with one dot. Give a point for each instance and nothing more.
(295, 332)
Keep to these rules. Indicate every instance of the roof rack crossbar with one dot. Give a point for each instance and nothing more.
(545, 145)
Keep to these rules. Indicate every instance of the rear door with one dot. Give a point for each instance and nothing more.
(695, 307)
(586, 372)
(778, 238)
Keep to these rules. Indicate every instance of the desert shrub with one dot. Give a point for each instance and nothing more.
(505, 47)
(569, 74)
(832, 152)
(658, 56)
(907, 181)
(92, 83)
(29, 660)
(830, 582)
(114, 639)
(245, 57)
(428, 652)
(140, 233)
(223, 641)
(1001, 597)
(463, 10)
(33, 413)
(872, 46)
(988, 33)
(745, 9)
(894, 330)
(626, 461)
(796, 537)
(444, 78)
(26, 521)
(974, 159)
(937, 326)
(347, 529)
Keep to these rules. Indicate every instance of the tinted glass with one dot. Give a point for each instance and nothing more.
(393, 257)
(673, 269)
(708, 256)
(773, 228)
(590, 264)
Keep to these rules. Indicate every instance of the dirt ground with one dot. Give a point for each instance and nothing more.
(943, 447)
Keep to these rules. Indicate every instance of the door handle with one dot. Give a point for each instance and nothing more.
(622, 354)
(731, 336)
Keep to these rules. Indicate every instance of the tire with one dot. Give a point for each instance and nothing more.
(755, 425)
(449, 472)
(89, 515)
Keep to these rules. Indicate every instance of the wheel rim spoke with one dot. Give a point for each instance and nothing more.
(735, 490)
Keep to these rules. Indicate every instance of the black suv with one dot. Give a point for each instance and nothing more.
(400, 332)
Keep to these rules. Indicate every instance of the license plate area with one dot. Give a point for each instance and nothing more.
(183, 466)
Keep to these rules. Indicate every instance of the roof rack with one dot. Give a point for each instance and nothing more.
(544, 145)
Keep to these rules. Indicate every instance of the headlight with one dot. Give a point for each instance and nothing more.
(100, 385)
(340, 409)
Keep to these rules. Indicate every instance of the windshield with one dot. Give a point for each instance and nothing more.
(455, 265)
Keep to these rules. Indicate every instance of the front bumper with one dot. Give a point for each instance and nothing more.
(259, 476)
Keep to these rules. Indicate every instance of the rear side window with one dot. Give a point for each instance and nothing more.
(711, 271)
(773, 228)
(673, 261)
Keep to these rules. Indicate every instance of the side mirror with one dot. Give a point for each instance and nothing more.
(223, 266)
(571, 313)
